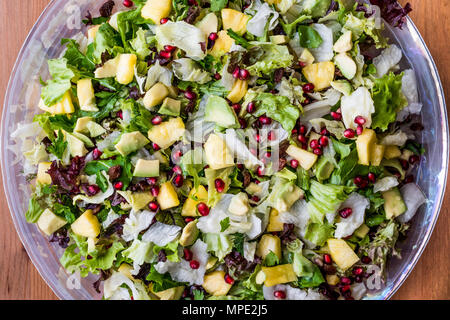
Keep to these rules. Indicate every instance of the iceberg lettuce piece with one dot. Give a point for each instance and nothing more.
(263, 16)
(156, 73)
(359, 103)
(413, 198)
(275, 56)
(387, 60)
(161, 234)
(324, 52)
(219, 244)
(347, 226)
(135, 223)
(186, 69)
(385, 184)
(113, 288)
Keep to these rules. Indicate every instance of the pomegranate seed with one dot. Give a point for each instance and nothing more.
(169, 48)
(240, 166)
(404, 164)
(359, 130)
(178, 180)
(153, 206)
(128, 3)
(360, 182)
(93, 190)
(229, 279)
(280, 294)
(366, 260)
(96, 154)
(156, 120)
(187, 254)
(119, 114)
(324, 132)
(304, 146)
(414, 159)
(345, 288)
(154, 191)
(193, 2)
(190, 95)
(358, 271)
(257, 137)
(244, 74)
(346, 281)
(318, 151)
(151, 181)
(118, 185)
(194, 264)
(323, 141)
(236, 73)
(260, 171)
(302, 138)
(236, 107)
(188, 219)
(397, 175)
(314, 144)
(165, 54)
(268, 155)
(371, 176)
(327, 258)
(163, 20)
(301, 64)
(271, 136)
(265, 120)
(251, 107)
(336, 115)
(409, 178)
(255, 198)
(213, 36)
(346, 212)
(349, 133)
(217, 76)
(155, 146)
(309, 87)
(294, 131)
(242, 123)
(359, 120)
(294, 163)
(302, 129)
(203, 209)
(220, 185)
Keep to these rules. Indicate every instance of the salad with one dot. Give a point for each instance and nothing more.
(214, 149)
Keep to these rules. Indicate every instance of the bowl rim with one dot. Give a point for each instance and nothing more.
(385, 295)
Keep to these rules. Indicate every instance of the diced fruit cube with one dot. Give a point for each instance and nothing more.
(392, 152)
(48, 222)
(235, 20)
(139, 200)
(305, 158)
(109, 69)
(81, 125)
(125, 68)
(239, 204)
(189, 234)
(376, 154)
(217, 154)
(344, 43)
(170, 294)
(167, 133)
(211, 262)
(362, 231)
(146, 168)
(63, 106)
(42, 176)
(95, 129)
(320, 74)
(86, 225)
(167, 197)
(342, 254)
(214, 283)
(155, 10)
(279, 39)
(393, 203)
(155, 95)
(238, 91)
(75, 145)
(196, 195)
(332, 279)
(283, 273)
(86, 97)
(346, 64)
(275, 224)
(306, 57)
(222, 45)
(170, 107)
(269, 243)
(364, 145)
(130, 142)
(208, 24)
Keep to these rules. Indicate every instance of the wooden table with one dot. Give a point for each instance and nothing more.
(20, 280)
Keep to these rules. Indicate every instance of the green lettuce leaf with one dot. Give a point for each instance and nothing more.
(75, 57)
(275, 57)
(219, 244)
(309, 38)
(54, 89)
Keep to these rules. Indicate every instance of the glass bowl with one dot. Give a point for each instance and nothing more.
(62, 19)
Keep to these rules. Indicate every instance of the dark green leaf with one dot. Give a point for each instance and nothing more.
(309, 38)
(224, 224)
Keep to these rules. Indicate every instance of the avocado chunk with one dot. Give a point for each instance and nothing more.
(393, 203)
(170, 294)
(48, 222)
(362, 231)
(239, 204)
(146, 168)
(219, 111)
(346, 64)
(155, 95)
(81, 125)
(170, 107)
(75, 145)
(135, 200)
(343, 86)
(189, 234)
(214, 283)
(306, 57)
(130, 142)
(279, 39)
(344, 43)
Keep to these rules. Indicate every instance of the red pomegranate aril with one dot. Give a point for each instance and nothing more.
(119, 114)
(228, 279)
(414, 159)
(302, 138)
(243, 123)
(96, 154)
(302, 129)
(268, 155)
(323, 141)
(156, 120)
(257, 137)
(265, 120)
(128, 3)
(314, 144)
(360, 182)
(194, 264)
(118, 185)
(240, 166)
(178, 180)
(190, 95)
(349, 133)
(165, 54)
(404, 163)
(346, 212)
(219, 184)
(260, 171)
(193, 2)
(301, 64)
(309, 87)
(188, 219)
(217, 76)
(169, 48)
(255, 198)
(251, 107)
(294, 163)
(358, 271)
(163, 20)
(271, 136)
(236, 73)
(324, 132)
(151, 181)
(93, 189)
(327, 258)
(371, 176)
(213, 36)
(203, 209)
(346, 281)
(236, 107)
(155, 146)
(187, 254)
(153, 206)
(244, 74)
(359, 120)
(366, 260)
(336, 115)
(280, 294)
(177, 169)
(154, 191)
(318, 151)
(409, 178)
(359, 130)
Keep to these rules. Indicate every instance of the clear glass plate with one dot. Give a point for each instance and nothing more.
(62, 19)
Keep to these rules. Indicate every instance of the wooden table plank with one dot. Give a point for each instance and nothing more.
(20, 280)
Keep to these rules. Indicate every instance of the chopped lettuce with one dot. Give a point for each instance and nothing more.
(54, 89)
(275, 56)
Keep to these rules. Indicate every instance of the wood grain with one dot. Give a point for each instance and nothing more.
(20, 280)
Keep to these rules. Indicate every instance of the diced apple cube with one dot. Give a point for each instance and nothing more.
(86, 225)
(376, 154)
(167, 197)
(305, 158)
(214, 283)
(48, 222)
(275, 224)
